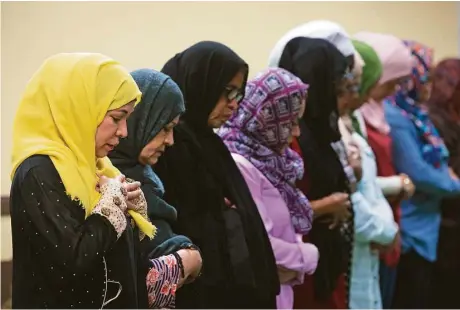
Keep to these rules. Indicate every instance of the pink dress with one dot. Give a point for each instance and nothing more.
(290, 252)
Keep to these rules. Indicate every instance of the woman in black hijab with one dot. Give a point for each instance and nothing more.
(215, 207)
(320, 64)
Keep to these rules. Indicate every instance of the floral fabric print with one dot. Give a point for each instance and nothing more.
(162, 281)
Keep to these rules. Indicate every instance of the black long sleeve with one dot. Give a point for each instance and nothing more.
(65, 242)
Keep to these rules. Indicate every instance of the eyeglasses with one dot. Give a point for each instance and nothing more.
(233, 93)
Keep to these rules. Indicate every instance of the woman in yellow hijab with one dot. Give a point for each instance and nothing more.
(73, 243)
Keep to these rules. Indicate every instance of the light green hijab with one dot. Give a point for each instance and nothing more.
(372, 69)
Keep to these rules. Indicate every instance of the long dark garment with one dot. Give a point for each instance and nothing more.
(62, 260)
(444, 107)
(318, 63)
(414, 288)
(198, 173)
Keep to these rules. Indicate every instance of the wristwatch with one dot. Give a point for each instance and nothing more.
(405, 182)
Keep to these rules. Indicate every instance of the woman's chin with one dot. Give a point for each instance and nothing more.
(101, 153)
(152, 161)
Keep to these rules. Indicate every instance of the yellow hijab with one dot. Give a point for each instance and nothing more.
(63, 104)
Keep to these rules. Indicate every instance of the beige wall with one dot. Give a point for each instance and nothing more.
(146, 34)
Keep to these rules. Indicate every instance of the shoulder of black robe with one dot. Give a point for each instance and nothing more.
(58, 254)
(161, 102)
(199, 172)
(320, 64)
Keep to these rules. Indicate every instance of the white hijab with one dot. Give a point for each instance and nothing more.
(320, 29)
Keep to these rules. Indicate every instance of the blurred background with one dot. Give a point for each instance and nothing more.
(146, 34)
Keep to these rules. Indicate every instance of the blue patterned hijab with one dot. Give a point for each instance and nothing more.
(408, 100)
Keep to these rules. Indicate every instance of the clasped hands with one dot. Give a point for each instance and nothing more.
(131, 189)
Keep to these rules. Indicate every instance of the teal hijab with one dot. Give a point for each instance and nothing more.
(161, 102)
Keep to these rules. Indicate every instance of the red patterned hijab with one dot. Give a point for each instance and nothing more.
(446, 88)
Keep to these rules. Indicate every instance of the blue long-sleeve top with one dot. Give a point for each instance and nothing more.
(420, 215)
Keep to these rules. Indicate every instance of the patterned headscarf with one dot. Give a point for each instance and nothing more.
(408, 100)
(260, 131)
(423, 60)
(445, 94)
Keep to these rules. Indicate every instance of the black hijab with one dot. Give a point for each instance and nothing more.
(161, 102)
(210, 175)
(202, 72)
(320, 64)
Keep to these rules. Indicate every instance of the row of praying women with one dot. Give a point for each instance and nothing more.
(323, 182)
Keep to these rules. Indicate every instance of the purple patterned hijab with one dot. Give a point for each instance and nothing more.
(260, 130)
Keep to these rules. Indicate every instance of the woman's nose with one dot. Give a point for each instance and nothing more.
(122, 131)
(233, 105)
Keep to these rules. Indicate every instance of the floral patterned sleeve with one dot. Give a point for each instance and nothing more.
(162, 280)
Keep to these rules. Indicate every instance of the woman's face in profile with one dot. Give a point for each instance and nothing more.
(348, 99)
(228, 101)
(157, 146)
(295, 129)
(112, 128)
